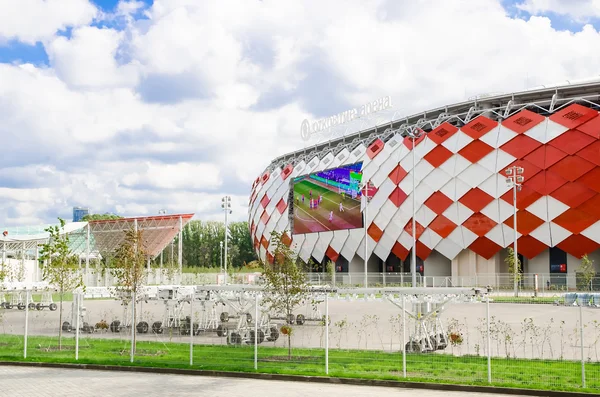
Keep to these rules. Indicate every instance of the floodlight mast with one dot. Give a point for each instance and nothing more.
(514, 179)
(414, 134)
(226, 206)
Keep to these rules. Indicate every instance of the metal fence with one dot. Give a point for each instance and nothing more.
(543, 282)
(431, 336)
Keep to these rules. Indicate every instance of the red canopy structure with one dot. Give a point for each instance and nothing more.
(157, 232)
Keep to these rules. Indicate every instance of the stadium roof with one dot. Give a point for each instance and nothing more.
(543, 100)
(105, 235)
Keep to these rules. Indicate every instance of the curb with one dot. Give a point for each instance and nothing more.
(303, 378)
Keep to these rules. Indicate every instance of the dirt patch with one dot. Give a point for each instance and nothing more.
(143, 353)
(286, 359)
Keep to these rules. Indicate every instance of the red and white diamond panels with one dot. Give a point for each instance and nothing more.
(463, 201)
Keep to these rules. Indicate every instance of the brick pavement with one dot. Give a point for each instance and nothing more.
(50, 382)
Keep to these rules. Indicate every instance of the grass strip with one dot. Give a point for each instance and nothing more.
(433, 368)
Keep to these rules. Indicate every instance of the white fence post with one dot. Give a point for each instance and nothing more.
(581, 344)
(403, 338)
(192, 327)
(327, 334)
(27, 299)
(256, 331)
(77, 297)
(489, 343)
(132, 352)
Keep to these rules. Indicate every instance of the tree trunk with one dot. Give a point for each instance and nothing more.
(290, 345)
(60, 313)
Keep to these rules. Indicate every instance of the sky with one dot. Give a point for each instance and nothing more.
(132, 107)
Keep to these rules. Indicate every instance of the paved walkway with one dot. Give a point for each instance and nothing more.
(42, 382)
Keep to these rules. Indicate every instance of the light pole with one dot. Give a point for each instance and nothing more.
(514, 179)
(161, 212)
(366, 198)
(226, 206)
(221, 252)
(414, 134)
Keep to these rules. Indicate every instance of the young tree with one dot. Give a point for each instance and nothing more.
(285, 283)
(587, 272)
(129, 268)
(62, 267)
(510, 261)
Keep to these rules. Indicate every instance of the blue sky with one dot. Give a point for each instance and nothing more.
(14, 51)
(193, 103)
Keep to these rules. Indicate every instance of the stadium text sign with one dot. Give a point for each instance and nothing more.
(307, 129)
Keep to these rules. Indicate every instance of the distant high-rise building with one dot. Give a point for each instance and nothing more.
(79, 213)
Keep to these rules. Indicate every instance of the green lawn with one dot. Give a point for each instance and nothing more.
(528, 298)
(436, 368)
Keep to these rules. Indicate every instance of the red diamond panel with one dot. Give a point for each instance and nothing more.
(545, 156)
(591, 179)
(332, 254)
(420, 228)
(423, 251)
(442, 132)
(265, 217)
(484, 247)
(571, 141)
(264, 242)
(397, 174)
(265, 200)
(479, 224)
(408, 141)
(281, 206)
(526, 222)
(592, 127)
(479, 127)
(530, 247)
(442, 226)
(398, 196)
(545, 182)
(476, 199)
(572, 167)
(578, 245)
(265, 177)
(438, 202)
(574, 220)
(573, 194)
(475, 151)
(287, 171)
(591, 152)
(529, 170)
(285, 239)
(520, 146)
(375, 232)
(375, 148)
(256, 243)
(438, 156)
(525, 197)
(399, 250)
(523, 121)
(573, 115)
(591, 206)
(270, 258)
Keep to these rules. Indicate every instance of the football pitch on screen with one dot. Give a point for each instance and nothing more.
(327, 216)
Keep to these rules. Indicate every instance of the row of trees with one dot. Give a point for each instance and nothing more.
(202, 244)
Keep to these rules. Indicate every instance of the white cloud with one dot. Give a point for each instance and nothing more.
(29, 21)
(87, 59)
(579, 10)
(175, 110)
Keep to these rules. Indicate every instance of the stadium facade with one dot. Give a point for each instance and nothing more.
(464, 205)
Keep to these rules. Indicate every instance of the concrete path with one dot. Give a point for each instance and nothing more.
(46, 382)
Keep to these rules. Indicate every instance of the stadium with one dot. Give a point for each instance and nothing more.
(464, 208)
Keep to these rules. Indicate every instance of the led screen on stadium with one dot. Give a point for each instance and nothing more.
(327, 200)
